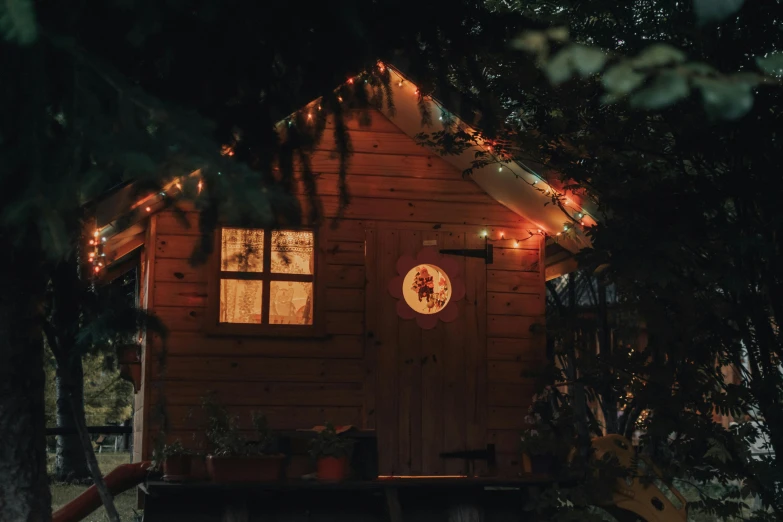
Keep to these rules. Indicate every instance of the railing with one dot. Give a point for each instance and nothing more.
(103, 430)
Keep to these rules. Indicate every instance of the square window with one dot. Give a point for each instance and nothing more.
(242, 250)
(292, 252)
(291, 302)
(266, 278)
(240, 301)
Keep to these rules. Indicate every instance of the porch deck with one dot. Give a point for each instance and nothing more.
(381, 500)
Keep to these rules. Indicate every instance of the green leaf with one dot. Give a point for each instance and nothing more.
(17, 21)
(574, 58)
(771, 63)
(558, 69)
(700, 68)
(657, 55)
(532, 41)
(558, 34)
(717, 451)
(622, 79)
(667, 89)
(587, 60)
(710, 11)
(724, 98)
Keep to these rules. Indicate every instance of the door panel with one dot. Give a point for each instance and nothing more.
(427, 398)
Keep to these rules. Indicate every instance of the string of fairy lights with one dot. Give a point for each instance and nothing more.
(577, 215)
(580, 216)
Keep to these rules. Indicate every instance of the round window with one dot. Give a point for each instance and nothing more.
(426, 288)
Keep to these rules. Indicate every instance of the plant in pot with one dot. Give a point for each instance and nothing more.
(330, 451)
(175, 461)
(233, 458)
(549, 439)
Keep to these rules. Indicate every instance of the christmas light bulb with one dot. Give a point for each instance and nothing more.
(103, 239)
(309, 115)
(350, 80)
(484, 233)
(96, 233)
(92, 242)
(535, 181)
(97, 269)
(148, 209)
(516, 243)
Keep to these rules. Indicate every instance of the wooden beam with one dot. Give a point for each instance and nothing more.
(126, 247)
(560, 268)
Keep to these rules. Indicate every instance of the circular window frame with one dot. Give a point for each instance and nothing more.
(447, 266)
(427, 289)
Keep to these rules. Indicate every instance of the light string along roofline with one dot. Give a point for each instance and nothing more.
(97, 256)
(579, 214)
(578, 218)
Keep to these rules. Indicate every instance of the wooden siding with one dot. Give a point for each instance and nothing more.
(459, 386)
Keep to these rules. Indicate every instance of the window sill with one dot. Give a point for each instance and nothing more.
(269, 331)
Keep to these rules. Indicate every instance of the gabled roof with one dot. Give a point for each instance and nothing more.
(510, 183)
(119, 216)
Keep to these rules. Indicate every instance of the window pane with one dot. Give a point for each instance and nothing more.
(292, 252)
(240, 301)
(291, 302)
(242, 250)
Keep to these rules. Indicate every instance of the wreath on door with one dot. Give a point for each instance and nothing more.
(427, 288)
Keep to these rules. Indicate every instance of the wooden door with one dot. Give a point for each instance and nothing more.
(430, 385)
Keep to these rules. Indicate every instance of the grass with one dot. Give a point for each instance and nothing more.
(125, 502)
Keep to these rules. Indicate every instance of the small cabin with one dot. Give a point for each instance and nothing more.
(419, 317)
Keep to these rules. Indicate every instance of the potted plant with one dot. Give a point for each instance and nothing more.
(233, 458)
(176, 461)
(330, 451)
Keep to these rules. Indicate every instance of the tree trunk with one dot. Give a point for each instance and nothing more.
(70, 464)
(24, 485)
(89, 452)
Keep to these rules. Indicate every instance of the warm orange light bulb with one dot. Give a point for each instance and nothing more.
(96, 233)
(350, 80)
(97, 269)
(148, 209)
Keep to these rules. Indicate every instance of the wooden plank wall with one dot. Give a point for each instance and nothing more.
(302, 382)
(516, 341)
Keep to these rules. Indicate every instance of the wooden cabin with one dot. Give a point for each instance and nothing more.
(367, 324)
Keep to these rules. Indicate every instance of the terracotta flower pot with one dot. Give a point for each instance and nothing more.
(198, 468)
(332, 468)
(176, 468)
(258, 468)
